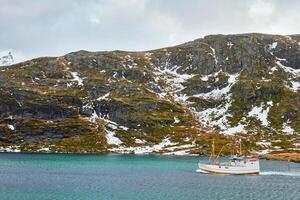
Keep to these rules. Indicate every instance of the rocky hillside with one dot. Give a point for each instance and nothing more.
(170, 100)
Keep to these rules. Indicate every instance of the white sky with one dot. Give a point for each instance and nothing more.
(33, 28)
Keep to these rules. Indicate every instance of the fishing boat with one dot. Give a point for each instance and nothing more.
(237, 165)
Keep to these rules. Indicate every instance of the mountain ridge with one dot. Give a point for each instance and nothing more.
(167, 100)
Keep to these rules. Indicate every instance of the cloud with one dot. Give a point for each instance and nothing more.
(35, 28)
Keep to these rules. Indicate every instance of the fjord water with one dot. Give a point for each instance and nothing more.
(93, 177)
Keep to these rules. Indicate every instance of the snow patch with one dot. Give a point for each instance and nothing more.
(217, 116)
(6, 58)
(261, 113)
(237, 129)
(44, 149)
(139, 141)
(229, 44)
(214, 75)
(273, 69)
(295, 86)
(295, 72)
(205, 78)
(111, 138)
(144, 149)
(11, 127)
(172, 77)
(286, 128)
(264, 143)
(263, 152)
(218, 93)
(176, 120)
(77, 79)
(273, 45)
(213, 54)
(104, 97)
(10, 149)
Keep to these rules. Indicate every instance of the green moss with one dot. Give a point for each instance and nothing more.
(203, 103)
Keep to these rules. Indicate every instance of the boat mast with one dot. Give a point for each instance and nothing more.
(241, 147)
(212, 155)
(213, 146)
(219, 153)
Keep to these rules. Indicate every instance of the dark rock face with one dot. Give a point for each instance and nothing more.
(218, 82)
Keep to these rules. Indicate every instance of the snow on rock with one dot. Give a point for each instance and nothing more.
(213, 54)
(123, 128)
(229, 44)
(273, 45)
(139, 141)
(178, 153)
(112, 126)
(295, 72)
(76, 78)
(169, 74)
(263, 152)
(286, 128)
(208, 116)
(273, 69)
(94, 116)
(104, 97)
(10, 149)
(144, 149)
(11, 127)
(111, 138)
(206, 77)
(148, 56)
(218, 93)
(128, 62)
(172, 77)
(237, 129)
(295, 86)
(181, 98)
(290, 70)
(261, 112)
(44, 149)
(6, 58)
(264, 143)
(176, 120)
(217, 116)
(180, 150)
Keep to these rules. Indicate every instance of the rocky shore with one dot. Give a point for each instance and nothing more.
(292, 157)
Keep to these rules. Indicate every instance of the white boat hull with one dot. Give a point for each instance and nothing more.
(238, 169)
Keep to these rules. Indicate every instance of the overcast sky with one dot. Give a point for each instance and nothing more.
(33, 28)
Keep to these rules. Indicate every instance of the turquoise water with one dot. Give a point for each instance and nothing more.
(93, 177)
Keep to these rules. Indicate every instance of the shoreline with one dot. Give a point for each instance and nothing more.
(291, 157)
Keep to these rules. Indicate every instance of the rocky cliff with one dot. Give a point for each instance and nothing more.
(167, 100)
